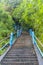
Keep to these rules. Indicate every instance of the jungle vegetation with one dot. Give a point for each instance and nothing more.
(28, 13)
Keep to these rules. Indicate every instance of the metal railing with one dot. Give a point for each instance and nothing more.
(5, 45)
(36, 42)
(3, 41)
(11, 39)
(7, 42)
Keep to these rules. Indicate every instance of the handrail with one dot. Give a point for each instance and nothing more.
(8, 46)
(5, 38)
(39, 41)
(34, 38)
(4, 46)
(11, 36)
(6, 43)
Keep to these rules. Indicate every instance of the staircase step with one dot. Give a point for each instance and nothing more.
(20, 59)
(21, 56)
(20, 63)
(24, 62)
(21, 49)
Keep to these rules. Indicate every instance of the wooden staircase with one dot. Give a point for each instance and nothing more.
(21, 53)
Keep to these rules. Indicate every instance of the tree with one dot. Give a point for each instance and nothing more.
(6, 22)
(30, 14)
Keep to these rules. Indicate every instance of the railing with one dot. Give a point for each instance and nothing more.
(19, 32)
(11, 39)
(7, 46)
(3, 46)
(7, 43)
(36, 42)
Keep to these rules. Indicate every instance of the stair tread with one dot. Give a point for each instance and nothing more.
(20, 63)
(21, 56)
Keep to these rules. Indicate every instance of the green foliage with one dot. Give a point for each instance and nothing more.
(10, 4)
(6, 25)
(29, 13)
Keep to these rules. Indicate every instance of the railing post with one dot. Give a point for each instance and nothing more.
(21, 30)
(30, 31)
(11, 39)
(33, 36)
(18, 34)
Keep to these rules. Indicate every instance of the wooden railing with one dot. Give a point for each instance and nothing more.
(36, 42)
